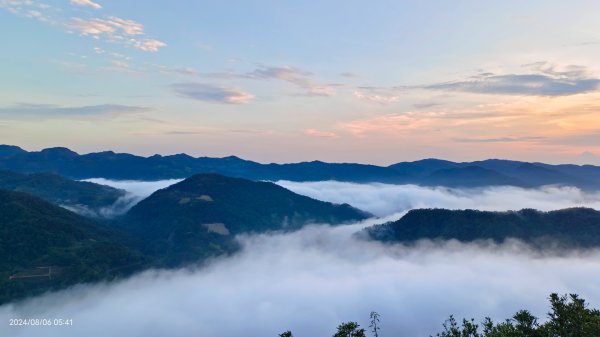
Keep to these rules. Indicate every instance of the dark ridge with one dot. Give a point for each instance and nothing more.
(10, 150)
(198, 217)
(425, 172)
(86, 197)
(46, 247)
(470, 176)
(571, 227)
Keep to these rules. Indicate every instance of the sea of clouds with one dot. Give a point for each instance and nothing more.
(386, 199)
(311, 280)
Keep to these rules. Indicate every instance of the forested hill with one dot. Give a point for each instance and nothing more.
(85, 197)
(429, 172)
(43, 246)
(575, 227)
(199, 216)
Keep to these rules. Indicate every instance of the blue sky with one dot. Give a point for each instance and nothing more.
(284, 81)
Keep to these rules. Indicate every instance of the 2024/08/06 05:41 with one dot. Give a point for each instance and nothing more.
(40, 322)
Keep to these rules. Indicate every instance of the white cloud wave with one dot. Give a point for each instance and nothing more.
(385, 199)
(136, 191)
(311, 280)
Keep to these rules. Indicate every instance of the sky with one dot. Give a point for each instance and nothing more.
(287, 81)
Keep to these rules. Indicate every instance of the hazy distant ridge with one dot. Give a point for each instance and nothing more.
(429, 172)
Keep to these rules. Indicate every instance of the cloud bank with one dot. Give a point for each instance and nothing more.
(211, 93)
(544, 79)
(136, 191)
(28, 109)
(311, 280)
(386, 199)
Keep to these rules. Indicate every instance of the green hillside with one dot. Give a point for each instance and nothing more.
(575, 227)
(84, 197)
(199, 217)
(43, 247)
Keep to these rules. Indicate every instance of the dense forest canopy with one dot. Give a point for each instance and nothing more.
(572, 227)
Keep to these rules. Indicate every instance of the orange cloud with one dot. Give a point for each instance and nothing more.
(322, 134)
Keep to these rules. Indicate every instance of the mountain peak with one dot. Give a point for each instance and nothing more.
(10, 150)
(59, 152)
(196, 212)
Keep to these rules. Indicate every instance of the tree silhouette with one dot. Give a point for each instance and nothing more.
(349, 329)
(374, 316)
(569, 317)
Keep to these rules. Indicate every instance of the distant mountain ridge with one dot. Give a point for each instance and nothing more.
(427, 172)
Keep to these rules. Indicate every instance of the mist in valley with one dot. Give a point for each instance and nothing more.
(311, 280)
(385, 199)
(135, 191)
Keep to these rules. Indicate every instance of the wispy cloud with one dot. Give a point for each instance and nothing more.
(29, 9)
(349, 74)
(116, 30)
(212, 130)
(86, 3)
(499, 139)
(123, 66)
(426, 105)
(19, 6)
(590, 138)
(28, 109)
(390, 123)
(185, 71)
(111, 28)
(149, 45)
(300, 78)
(320, 133)
(543, 79)
(377, 95)
(93, 27)
(211, 93)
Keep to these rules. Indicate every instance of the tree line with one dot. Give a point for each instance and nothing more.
(569, 316)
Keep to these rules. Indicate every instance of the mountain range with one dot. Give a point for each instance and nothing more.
(427, 172)
(45, 246)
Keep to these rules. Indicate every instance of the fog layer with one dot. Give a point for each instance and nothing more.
(385, 199)
(136, 191)
(311, 280)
